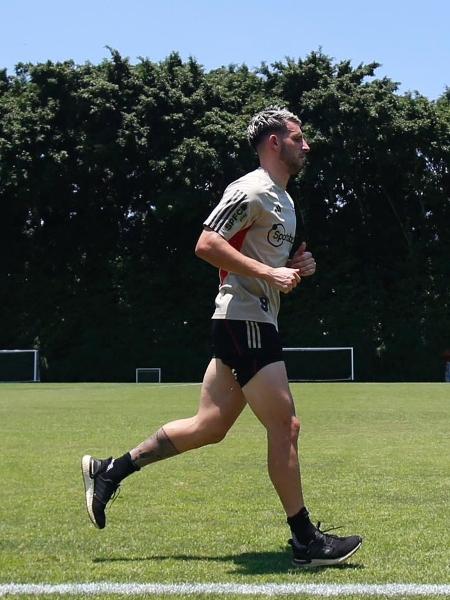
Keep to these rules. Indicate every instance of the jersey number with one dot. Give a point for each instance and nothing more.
(264, 301)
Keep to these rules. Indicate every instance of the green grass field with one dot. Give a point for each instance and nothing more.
(375, 459)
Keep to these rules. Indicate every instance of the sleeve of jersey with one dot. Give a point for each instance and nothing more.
(236, 211)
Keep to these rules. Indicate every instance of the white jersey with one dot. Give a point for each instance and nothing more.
(257, 217)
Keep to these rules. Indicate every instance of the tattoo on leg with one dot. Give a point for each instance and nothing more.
(155, 448)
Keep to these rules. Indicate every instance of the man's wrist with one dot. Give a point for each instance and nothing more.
(267, 273)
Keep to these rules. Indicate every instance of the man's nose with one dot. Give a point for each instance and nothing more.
(305, 146)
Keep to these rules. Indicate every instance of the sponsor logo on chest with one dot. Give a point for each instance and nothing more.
(277, 235)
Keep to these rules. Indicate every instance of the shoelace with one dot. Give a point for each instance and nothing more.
(113, 498)
(325, 531)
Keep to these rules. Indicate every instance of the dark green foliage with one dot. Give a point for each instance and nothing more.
(107, 172)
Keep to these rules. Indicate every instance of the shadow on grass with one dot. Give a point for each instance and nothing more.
(247, 563)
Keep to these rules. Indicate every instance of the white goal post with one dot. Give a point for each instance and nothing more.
(19, 366)
(341, 368)
(148, 375)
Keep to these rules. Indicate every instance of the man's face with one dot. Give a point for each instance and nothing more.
(294, 148)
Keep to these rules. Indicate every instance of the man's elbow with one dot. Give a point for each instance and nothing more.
(201, 248)
(205, 245)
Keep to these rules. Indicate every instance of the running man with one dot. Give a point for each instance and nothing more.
(249, 238)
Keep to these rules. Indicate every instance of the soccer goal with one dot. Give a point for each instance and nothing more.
(320, 364)
(19, 366)
(148, 375)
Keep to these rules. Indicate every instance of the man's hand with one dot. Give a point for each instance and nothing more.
(303, 261)
(284, 279)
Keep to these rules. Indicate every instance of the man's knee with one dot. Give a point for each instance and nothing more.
(212, 432)
(285, 427)
(295, 427)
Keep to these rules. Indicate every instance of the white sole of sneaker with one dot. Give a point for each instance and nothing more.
(88, 486)
(322, 562)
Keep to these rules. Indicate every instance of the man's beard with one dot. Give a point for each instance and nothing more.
(294, 164)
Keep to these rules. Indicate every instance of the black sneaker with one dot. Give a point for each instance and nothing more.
(324, 549)
(99, 489)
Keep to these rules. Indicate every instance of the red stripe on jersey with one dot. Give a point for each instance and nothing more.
(236, 241)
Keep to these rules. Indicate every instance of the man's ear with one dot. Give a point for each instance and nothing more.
(274, 142)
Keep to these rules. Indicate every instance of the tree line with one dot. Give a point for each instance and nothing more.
(107, 172)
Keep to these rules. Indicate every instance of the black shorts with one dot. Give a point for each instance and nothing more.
(245, 346)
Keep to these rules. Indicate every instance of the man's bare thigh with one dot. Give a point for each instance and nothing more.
(221, 396)
(268, 394)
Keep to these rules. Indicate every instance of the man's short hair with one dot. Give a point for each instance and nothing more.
(270, 120)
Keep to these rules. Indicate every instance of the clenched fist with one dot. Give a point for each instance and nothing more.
(303, 261)
(284, 279)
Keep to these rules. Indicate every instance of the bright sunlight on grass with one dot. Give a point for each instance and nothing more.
(375, 459)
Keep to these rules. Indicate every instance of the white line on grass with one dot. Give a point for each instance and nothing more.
(194, 589)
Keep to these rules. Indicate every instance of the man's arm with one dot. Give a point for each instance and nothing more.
(213, 248)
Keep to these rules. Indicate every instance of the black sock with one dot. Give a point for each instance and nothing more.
(301, 526)
(120, 468)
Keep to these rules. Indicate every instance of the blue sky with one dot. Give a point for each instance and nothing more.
(411, 39)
